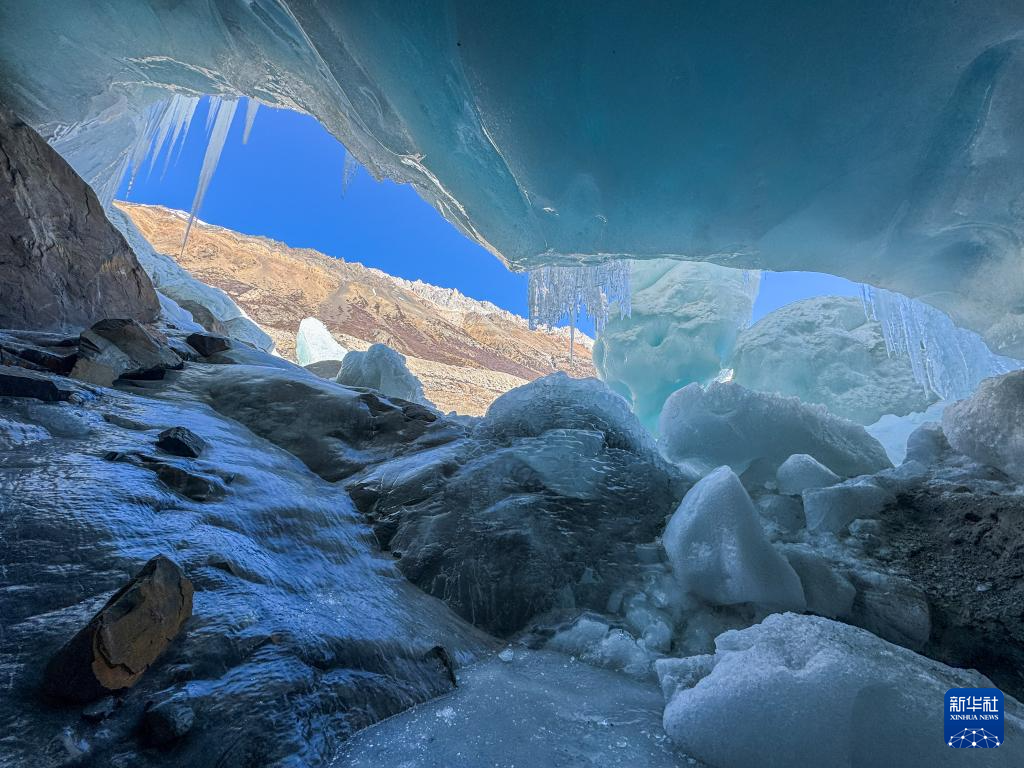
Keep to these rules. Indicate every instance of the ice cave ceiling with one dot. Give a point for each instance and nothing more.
(879, 141)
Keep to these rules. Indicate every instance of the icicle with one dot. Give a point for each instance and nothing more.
(944, 359)
(251, 105)
(223, 112)
(181, 128)
(348, 171)
(555, 292)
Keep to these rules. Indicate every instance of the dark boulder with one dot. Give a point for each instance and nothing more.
(19, 382)
(180, 479)
(207, 344)
(166, 722)
(180, 441)
(25, 353)
(204, 317)
(62, 263)
(121, 348)
(128, 634)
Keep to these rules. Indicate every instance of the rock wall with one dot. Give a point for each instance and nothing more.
(62, 264)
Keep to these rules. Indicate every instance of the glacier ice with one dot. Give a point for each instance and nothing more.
(828, 592)
(897, 163)
(683, 321)
(946, 360)
(800, 472)
(719, 552)
(832, 508)
(383, 370)
(314, 343)
(808, 691)
(557, 293)
(725, 423)
(824, 350)
(989, 426)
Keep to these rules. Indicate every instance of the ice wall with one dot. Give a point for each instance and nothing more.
(873, 140)
(684, 322)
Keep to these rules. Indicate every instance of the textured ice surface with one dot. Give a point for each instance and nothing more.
(800, 472)
(827, 591)
(681, 329)
(807, 691)
(314, 343)
(896, 163)
(719, 552)
(835, 507)
(382, 369)
(893, 431)
(725, 423)
(824, 350)
(302, 632)
(539, 709)
(945, 360)
(989, 425)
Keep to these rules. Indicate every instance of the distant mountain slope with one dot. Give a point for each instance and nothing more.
(466, 352)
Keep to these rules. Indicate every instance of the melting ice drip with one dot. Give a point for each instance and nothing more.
(557, 292)
(946, 360)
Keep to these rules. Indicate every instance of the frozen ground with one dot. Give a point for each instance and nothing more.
(541, 708)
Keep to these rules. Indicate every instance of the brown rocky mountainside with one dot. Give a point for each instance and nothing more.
(466, 352)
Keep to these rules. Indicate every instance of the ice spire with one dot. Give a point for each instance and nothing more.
(251, 105)
(559, 292)
(348, 171)
(946, 360)
(222, 112)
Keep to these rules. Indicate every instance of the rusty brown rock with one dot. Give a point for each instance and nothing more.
(128, 634)
(62, 263)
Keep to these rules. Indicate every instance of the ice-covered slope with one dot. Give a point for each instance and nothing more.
(874, 140)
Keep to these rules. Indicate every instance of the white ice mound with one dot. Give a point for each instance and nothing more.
(726, 423)
(989, 426)
(807, 691)
(833, 508)
(825, 350)
(684, 321)
(720, 554)
(382, 369)
(314, 343)
(800, 472)
(558, 401)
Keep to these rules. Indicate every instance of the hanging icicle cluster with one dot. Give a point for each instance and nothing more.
(945, 360)
(167, 125)
(558, 293)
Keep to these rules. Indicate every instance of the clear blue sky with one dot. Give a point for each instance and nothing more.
(285, 183)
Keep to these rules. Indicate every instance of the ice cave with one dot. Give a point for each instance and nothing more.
(676, 420)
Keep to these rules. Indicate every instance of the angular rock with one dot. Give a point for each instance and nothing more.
(62, 263)
(829, 593)
(121, 348)
(989, 426)
(128, 634)
(15, 350)
(191, 485)
(166, 722)
(181, 441)
(202, 315)
(207, 344)
(19, 382)
(325, 369)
